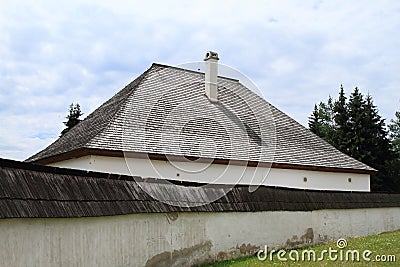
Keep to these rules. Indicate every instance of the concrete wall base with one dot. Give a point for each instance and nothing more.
(178, 239)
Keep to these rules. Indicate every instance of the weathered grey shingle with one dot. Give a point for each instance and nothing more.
(35, 191)
(165, 111)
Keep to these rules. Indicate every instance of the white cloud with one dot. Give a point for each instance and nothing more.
(297, 52)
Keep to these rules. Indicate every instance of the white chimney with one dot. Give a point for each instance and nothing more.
(211, 74)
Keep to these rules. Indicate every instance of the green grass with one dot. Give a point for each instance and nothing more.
(381, 244)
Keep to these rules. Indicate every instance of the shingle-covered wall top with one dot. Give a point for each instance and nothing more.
(166, 112)
(34, 191)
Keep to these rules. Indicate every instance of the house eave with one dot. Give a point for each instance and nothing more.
(153, 156)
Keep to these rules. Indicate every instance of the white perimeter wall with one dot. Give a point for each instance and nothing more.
(222, 174)
(177, 239)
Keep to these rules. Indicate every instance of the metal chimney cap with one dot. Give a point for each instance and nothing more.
(211, 55)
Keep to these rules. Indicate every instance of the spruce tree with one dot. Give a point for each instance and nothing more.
(356, 116)
(356, 128)
(314, 121)
(394, 134)
(321, 120)
(341, 123)
(393, 166)
(72, 118)
(328, 114)
(376, 146)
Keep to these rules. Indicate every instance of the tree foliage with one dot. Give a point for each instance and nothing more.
(321, 120)
(394, 165)
(341, 132)
(394, 133)
(72, 118)
(355, 127)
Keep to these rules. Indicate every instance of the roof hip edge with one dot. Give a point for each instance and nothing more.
(135, 83)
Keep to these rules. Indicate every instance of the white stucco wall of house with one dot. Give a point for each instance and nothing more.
(178, 239)
(222, 174)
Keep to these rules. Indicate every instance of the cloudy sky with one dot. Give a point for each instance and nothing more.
(298, 53)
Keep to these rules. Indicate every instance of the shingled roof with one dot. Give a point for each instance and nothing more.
(36, 191)
(165, 112)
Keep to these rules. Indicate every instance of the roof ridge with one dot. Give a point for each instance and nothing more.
(193, 71)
